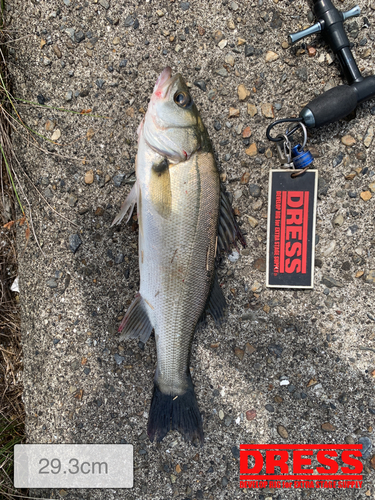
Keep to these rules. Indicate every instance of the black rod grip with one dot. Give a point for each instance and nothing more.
(331, 106)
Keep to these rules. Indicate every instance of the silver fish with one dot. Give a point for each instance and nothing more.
(179, 204)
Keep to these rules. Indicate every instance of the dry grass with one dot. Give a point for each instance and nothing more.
(11, 407)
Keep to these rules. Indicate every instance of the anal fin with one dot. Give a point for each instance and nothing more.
(136, 323)
(216, 303)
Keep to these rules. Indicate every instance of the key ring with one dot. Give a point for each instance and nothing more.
(288, 133)
(304, 129)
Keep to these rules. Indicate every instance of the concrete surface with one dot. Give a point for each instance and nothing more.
(81, 385)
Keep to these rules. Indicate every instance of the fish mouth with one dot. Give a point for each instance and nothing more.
(164, 83)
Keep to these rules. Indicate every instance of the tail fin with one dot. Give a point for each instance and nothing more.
(179, 413)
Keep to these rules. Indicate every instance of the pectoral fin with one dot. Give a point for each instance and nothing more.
(128, 204)
(160, 188)
(136, 323)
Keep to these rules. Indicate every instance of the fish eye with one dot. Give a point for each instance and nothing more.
(182, 99)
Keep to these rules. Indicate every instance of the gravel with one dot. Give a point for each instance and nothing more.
(298, 334)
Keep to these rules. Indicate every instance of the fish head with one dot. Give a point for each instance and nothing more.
(172, 125)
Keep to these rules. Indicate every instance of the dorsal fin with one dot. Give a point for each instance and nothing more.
(228, 230)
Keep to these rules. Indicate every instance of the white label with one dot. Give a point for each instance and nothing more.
(73, 466)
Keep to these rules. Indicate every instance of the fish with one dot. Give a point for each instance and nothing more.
(185, 223)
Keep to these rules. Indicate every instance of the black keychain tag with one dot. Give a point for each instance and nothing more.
(291, 229)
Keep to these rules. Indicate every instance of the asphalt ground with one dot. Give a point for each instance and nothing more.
(81, 384)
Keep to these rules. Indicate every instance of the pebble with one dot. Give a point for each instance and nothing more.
(233, 112)
(285, 45)
(201, 84)
(72, 200)
(235, 452)
(70, 32)
(56, 135)
(230, 24)
(252, 150)
(330, 58)
(249, 50)
(366, 195)
(251, 414)
(221, 414)
(339, 220)
(282, 431)
(349, 440)
(119, 359)
(79, 36)
(249, 348)
(242, 92)
(129, 21)
(252, 221)
(327, 427)
(222, 44)
(269, 408)
(222, 72)
(338, 160)
(369, 136)
(74, 242)
(104, 4)
(372, 187)
(247, 133)
(241, 41)
(267, 110)
(251, 109)
(99, 83)
(239, 353)
(184, 6)
(372, 462)
(268, 153)
(330, 282)
(329, 249)
(370, 276)
(245, 178)
(48, 193)
(311, 51)
(89, 177)
(118, 179)
(348, 140)
(271, 56)
(57, 51)
(52, 283)
(224, 479)
(69, 96)
(284, 382)
(366, 447)
(119, 259)
(217, 125)
(218, 36)
(234, 256)
(254, 190)
(229, 59)
(50, 125)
